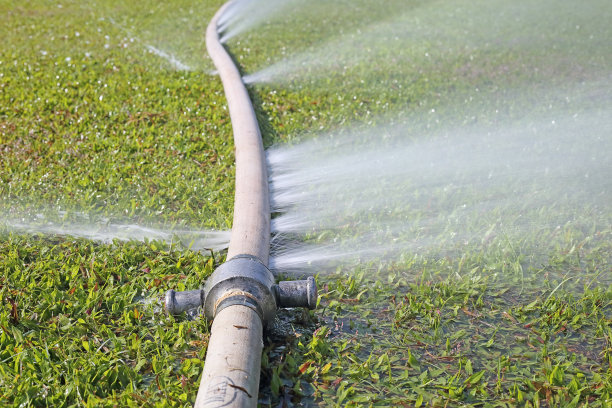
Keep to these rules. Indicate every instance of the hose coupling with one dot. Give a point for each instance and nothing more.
(178, 302)
(244, 280)
(299, 293)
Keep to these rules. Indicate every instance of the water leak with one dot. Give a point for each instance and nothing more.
(243, 15)
(510, 153)
(107, 232)
(176, 63)
(420, 37)
(172, 59)
(388, 192)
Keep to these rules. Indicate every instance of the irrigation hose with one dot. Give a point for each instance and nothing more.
(233, 358)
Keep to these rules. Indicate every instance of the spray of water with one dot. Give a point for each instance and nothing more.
(445, 32)
(199, 240)
(523, 161)
(178, 65)
(172, 60)
(243, 15)
(358, 197)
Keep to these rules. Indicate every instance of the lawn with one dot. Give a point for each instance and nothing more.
(100, 123)
(96, 129)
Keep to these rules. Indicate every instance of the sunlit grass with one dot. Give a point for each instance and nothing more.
(93, 123)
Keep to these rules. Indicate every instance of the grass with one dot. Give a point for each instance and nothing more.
(92, 123)
(417, 335)
(520, 320)
(80, 325)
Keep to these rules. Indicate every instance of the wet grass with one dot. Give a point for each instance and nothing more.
(95, 127)
(519, 317)
(458, 332)
(82, 326)
(92, 123)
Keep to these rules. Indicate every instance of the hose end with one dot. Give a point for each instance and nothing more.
(301, 293)
(177, 302)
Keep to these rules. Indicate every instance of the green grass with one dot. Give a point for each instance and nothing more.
(520, 320)
(101, 126)
(81, 324)
(458, 332)
(91, 123)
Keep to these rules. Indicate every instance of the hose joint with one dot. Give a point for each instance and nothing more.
(244, 280)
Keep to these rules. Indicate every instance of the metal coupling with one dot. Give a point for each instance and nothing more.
(301, 293)
(178, 302)
(244, 280)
